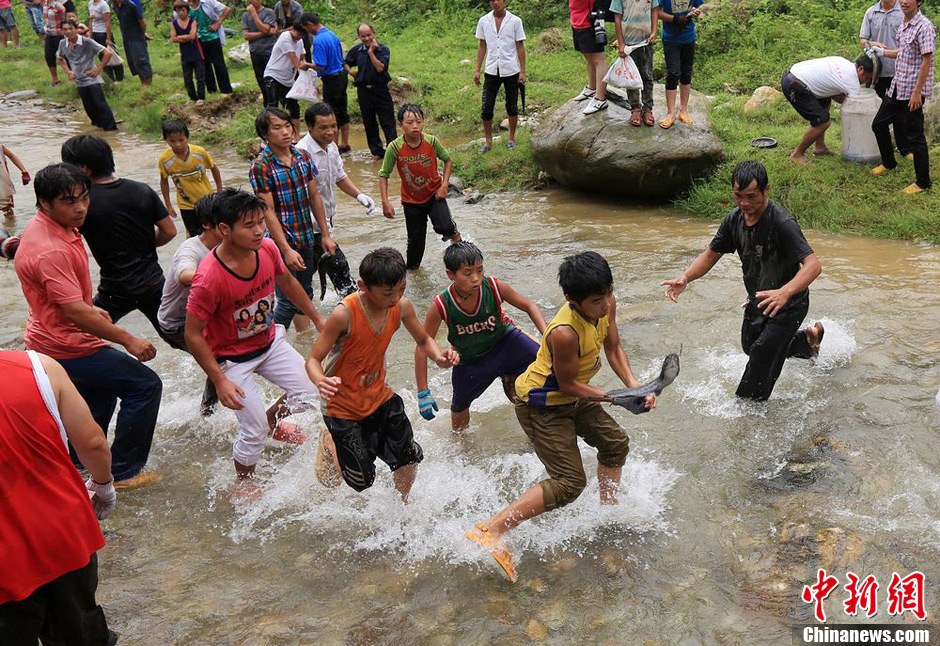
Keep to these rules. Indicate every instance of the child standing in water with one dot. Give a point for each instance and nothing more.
(188, 166)
(423, 188)
(7, 188)
(556, 407)
(365, 418)
(489, 343)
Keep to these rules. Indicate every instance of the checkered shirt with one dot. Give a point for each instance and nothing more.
(288, 186)
(915, 38)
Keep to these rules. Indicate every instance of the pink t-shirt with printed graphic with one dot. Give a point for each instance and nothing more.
(238, 310)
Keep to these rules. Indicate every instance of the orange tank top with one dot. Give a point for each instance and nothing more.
(359, 360)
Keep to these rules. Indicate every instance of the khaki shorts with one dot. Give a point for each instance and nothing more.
(554, 430)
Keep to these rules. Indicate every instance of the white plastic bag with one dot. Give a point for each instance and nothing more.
(624, 73)
(305, 87)
(115, 59)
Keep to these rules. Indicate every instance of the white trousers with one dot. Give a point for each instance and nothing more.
(283, 366)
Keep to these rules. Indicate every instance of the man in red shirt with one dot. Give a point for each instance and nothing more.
(49, 536)
(52, 266)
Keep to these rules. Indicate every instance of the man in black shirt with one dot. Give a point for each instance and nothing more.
(778, 266)
(126, 222)
(370, 58)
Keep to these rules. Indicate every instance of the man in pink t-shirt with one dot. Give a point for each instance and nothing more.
(52, 266)
(230, 327)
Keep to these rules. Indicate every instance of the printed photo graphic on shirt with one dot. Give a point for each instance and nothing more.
(197, 174)
(681, 6)
(255, 318)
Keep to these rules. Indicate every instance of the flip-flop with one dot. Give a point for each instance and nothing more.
(288, 433)
(686, 119)
(481, 535)
(667, 123)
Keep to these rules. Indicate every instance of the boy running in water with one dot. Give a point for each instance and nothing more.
(489, 343)
(365, 418)
(557, 406)
(240, 274)
(423, 188)
(188, 165)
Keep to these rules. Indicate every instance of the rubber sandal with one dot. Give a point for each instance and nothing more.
(481, 535)
(684, 118)
(648, 118)
(140, 480)
(667, 123)
(288, 433)
(636, 117)
(880, 169)
(913, 189)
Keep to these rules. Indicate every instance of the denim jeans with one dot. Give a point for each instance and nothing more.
(335, 266)
(106, 376)
(34, 14)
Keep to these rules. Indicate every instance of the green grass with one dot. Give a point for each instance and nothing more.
(741, 46)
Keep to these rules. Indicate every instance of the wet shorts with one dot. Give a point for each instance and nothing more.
(384, 434)
(510, 356)
(814, 110)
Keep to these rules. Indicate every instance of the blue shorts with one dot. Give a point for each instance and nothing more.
(509, 357)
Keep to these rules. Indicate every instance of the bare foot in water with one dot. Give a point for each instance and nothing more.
(814, 337)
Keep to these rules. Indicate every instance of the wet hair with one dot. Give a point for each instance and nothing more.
(383, 267)
(263, 121)
(207, 207)
(310, 18)
(747, 172)
(233, 205)
(90, 151)
(175, 127)
(71, 21)
(584, 275)
(461, 253)
(57, 180)
(865, 63)
(409, 107)
(318, 109)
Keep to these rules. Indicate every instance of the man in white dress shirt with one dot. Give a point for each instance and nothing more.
(502, 45)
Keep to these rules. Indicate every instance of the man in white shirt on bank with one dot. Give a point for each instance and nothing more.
(502, 44)
(811, 86)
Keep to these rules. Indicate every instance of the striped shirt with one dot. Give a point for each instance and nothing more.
(288, 187)
(53, 13)
(916, 39)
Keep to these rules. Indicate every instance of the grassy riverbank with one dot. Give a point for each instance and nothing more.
(741, 47)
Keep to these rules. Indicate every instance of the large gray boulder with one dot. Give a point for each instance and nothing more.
(603, 153)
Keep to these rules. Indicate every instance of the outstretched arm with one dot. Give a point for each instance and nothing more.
(432, 323)
(446, 358)
(527, 305)
(699, 267)
(617, 356)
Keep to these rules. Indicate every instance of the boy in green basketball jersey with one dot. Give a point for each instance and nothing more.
(489, 343)
(557, 406)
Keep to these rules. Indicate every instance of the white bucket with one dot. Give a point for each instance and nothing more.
(858, 141)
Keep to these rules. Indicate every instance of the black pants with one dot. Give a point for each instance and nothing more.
(378, 109)
(191, 222)
(96, 106)
(197, 69)
(258, 63)
(119, 304)
(216, 71)
(50, 46)
(900, 135)
(893, 111)
(62, 612)
(275, 95)
(491, 85)
(334, 93)
(768, 342)
(679, 62)
(116, 72)
(416, 222)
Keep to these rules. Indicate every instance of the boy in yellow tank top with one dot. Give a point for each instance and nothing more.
(365, 418)
(559, 405)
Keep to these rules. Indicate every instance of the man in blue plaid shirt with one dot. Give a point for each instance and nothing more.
(285, 178)
(904, 101)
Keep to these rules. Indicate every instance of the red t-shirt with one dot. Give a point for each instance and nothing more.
(52, 266)
(417, 167)
(579, 10)
(238, 310)
(48, 527)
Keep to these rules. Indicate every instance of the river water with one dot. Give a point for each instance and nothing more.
(727, 508)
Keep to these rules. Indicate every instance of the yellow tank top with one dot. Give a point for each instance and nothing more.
(537, 385)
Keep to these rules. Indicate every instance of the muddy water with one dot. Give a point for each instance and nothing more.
(727, 507)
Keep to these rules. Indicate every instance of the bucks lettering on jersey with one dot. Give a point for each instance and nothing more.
(473, 334)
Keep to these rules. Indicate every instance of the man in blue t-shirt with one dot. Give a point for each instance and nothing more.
(327, 57)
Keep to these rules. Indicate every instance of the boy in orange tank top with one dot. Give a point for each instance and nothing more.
(365, 418)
